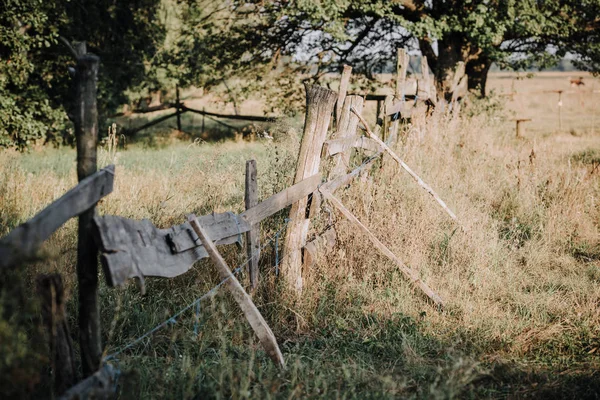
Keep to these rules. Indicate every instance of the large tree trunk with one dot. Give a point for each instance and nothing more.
(449, 54)
(477, 70)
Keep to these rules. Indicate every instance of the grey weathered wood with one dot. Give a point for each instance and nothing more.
(319, 106)
(256, 320)
(410, 274)
(227, 228)
(135, 249)
(401, 70)
(86, 136)
(335, 146)
(346, 127)
(253, 235)
(101, 385)
(62, 359)
(281, 200)
(23, 242)
(344, 83)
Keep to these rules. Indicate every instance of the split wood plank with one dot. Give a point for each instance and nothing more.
(347, 126)
(404, 166)
(344, 83)
(22, 243)
(253, 235)
(319, 106)
(101, 385)
(136, 249)
(335, 146)
(402, 61)
(410, 274)
(256, 320)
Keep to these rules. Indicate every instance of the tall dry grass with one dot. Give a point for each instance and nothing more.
(521, 283)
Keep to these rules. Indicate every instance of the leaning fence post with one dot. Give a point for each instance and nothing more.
(346, 127)
(62, 358)
(86, 134)
(253, 235)
(319, 106)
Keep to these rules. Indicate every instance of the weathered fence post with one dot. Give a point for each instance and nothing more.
(319, 106)
(401, 70)
(86, 134)
(344, 82)
(346, 127)
(178, 105)
(62, 359)
(253, 235)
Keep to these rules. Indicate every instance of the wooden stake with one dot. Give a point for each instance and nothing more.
(401, 70)
(344, 83)
(409, 273)
(419, 181)
(252, 236)
(346, 127)
(86, 134)
(560, 110)
(256, 320)
(62, 358)
(319, 106)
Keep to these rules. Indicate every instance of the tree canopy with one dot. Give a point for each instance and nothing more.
(321, 36)
(35, 90)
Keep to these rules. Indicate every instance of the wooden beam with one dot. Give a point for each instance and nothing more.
(253, 235)
(335, 146)
(404, 166)
(86, 135)
(152, 123)
(319, 106)
(256, 320)
(281, 200)
(22, 243)
(257, 118)
(410, 274)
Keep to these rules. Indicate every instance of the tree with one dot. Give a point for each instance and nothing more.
(35, 93)
(321, 36)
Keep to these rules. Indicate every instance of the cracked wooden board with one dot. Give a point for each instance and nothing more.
(135, 249)
(22, 243)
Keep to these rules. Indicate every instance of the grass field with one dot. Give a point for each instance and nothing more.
(522, 283)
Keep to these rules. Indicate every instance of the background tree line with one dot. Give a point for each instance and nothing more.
(148, 45)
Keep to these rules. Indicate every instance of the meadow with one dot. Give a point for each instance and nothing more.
(521, 282)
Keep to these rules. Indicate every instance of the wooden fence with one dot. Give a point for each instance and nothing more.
(137, 249)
